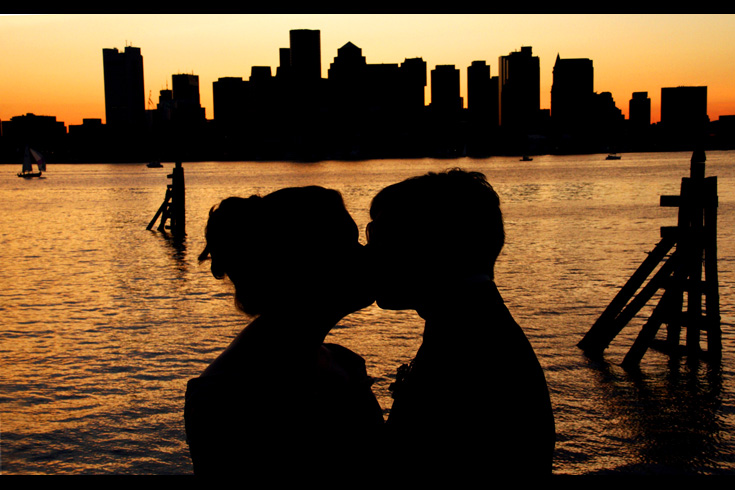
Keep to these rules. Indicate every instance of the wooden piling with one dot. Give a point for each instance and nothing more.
(173, 208)
(694, 241)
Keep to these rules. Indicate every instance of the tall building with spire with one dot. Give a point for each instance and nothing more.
(572, 90)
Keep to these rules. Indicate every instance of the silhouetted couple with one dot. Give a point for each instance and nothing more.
(280, 402)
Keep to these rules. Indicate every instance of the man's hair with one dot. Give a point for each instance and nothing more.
(453, 215)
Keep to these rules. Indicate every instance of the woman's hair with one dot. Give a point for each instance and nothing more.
(289, 244)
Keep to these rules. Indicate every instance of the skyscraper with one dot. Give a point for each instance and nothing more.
(124, 88)
(482, 100)
(684, 111)
(186, 88)
(306, 57)
(284, 67)
(347, 79)
(572, 90)
(187, 105)
(413, 84)
(383, 88)
(228, 98)
(482, 108)
(519, 89)
(445, 89)
(639, 111)
(349, 64)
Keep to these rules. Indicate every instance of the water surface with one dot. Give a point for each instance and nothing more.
(103, 321)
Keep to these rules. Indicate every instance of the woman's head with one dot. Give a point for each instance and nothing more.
(293, 246)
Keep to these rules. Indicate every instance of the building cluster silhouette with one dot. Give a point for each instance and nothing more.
(362, 110)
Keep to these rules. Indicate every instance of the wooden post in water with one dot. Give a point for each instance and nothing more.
(694, 241)
(173, 208)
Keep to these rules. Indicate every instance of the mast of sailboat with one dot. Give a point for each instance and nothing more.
(27, 163)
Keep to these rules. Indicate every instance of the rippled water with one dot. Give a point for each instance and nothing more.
(103, 321)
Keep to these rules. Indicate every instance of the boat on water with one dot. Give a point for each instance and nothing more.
(32, 156)
(613, 156)
(526, 158)
(154, 165)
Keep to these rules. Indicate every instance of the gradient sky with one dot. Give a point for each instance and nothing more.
(52, 64)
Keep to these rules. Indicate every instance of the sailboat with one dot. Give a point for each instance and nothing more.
(29, 158)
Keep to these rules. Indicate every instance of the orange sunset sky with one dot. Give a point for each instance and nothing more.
(51, 64)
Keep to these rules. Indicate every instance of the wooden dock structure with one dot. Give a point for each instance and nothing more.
(173, 208)
(687, 254)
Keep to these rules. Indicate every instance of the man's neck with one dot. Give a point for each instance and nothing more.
(446, 296)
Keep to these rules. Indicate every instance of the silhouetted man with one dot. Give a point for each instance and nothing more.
(474, 400)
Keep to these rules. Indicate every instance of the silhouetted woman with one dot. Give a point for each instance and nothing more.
(279, 399)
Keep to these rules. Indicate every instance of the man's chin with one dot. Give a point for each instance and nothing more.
(392, 304)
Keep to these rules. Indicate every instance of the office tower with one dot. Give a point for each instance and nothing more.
(305, 54)
(481, 99)
(519, 89)
(124, 88)
(347, 81)
(165, 105)
(571, 92)
(413, 84)
(260, 74)
(186, 88)
(445, 89)
(261, 94)
(187, 107)
(38, 130)
(284, 63)
(356, 86)
(228, 100)
(684, 111)
(165, 97)
(482, 109)
(382, 87)
(605, 114)
(348, 66)
(639, 111)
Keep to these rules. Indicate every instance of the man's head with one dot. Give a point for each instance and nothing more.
(429, 232)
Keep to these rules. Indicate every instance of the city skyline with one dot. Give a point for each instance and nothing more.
(61, 75)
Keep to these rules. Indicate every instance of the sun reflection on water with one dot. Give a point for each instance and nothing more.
(105, 321)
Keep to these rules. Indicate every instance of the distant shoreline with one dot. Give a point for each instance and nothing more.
(357, 160)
